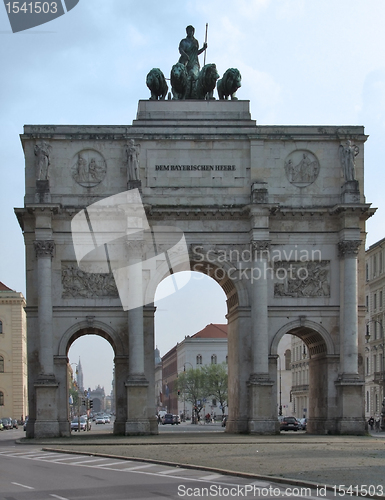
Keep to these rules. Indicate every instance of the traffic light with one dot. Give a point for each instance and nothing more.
(178, 392)
(91, 401)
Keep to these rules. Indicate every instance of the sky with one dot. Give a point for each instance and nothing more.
(303, 62)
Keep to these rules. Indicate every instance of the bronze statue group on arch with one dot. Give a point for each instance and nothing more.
(188, 81)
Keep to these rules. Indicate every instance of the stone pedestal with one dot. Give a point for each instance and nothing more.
(350, 192)
(261, 396)
(46, 423)
(42, 192)
(137, 419)
(351, 418)
(134, 185)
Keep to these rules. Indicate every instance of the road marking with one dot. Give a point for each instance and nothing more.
(171, 471)
(213, 476)
(88, 461)
(24, 486)
(141, 467)
(122, 462)
(57, 496)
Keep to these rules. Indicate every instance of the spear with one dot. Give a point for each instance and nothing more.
(204, 58)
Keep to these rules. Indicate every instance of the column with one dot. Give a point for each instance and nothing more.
(44, 253)
(259, 314)
(348, 250)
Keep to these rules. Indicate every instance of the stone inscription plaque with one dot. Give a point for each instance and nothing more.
(196, 168)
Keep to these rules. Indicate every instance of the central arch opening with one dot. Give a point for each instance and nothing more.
(191, 332)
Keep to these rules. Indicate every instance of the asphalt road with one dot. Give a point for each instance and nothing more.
(27, 472)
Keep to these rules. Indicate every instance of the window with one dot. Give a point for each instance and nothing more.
(214, 359)
(367, 303)
(374, 265)
(1, 364)
(199, 359)
(375, 301)
(367, 402)
(1, 327)
(380, 256)
(1, 398)
(288, 359)
(380, 304)
(367, 272)
(367, 366)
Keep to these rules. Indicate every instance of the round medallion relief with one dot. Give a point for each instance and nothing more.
(88, 168)
(302, 168)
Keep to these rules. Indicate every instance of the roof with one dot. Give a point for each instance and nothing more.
(4, 288)
(212, 331)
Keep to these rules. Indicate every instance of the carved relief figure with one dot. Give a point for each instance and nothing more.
(79, 284)
(132, 151)
(189, 51)
(348, 154)
(89, 169)
(302, 279)
(302, 168)
(42, 152)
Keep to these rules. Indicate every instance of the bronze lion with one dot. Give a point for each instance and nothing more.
(179, 81)
(229, 84)
(207, 80)
(156, 82)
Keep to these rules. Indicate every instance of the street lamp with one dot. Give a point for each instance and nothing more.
(382, 372)
(77, 387)
(280, 388)
(184, 391)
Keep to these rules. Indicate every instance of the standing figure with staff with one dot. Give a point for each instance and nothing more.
(189, 51)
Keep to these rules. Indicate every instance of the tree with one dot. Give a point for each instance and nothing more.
(216, 383)
(191, 387)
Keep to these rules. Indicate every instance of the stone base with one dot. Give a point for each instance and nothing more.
(46, 429)
(351, 417)
(134, 185)
(238, 426)
(43, 194)
(47, 422)
(263, 426)
(135, 427)
(350, 192)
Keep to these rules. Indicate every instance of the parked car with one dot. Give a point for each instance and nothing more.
(168, 419)
(100, 420)
(176, 419)
(75, 424)
(15, 425)
(7, 423)
(289, 424)
(303, 423)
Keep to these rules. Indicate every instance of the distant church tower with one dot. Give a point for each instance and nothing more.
(79, 376)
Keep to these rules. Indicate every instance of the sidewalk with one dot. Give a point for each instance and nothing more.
(324, 460)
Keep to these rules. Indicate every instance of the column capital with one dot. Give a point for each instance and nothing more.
(348, 248)
(260, 247)
(44, 248)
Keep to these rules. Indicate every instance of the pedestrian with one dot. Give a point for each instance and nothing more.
(377, 424)
(371, 423)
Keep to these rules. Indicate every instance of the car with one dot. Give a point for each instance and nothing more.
(15, 425)
(107, 419)
(176, 419)
(168, 419)
(303, 423)
(100, 420)
(75, 424)
(289, 424)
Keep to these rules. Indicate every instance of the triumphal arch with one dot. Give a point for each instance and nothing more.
(275, 214)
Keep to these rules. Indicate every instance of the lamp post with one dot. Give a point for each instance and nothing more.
(77, 387)
(280, 388)
(382, 372)
(184, 390)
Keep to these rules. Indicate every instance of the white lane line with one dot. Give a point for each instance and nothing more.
(68, 457)
(163, 472)
(24, 486)
(136, 467)
(57, 496)
(213, 476)
(114, 463)
(89, 461)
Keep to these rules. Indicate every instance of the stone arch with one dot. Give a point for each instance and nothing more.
(315, 336)
(235, 290)
(85, 328)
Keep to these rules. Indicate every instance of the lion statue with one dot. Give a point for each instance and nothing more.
(179, 81)
(156, 82)
(229, 84)
(207, 80)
